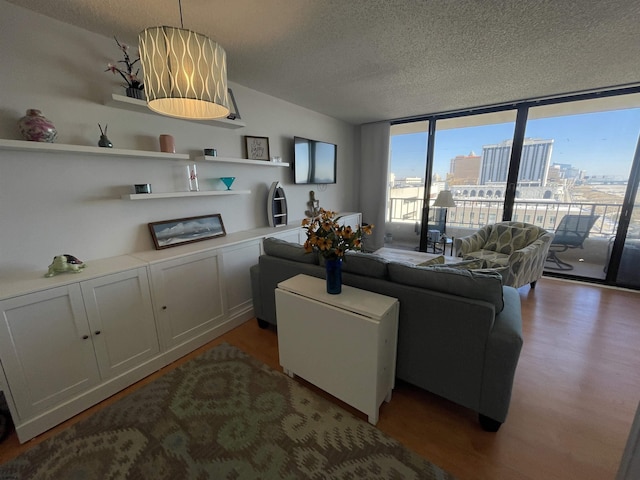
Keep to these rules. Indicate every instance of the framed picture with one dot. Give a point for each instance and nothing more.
(170, 233)
(257, 148)
(234, 114)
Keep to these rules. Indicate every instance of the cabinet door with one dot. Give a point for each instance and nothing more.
(121, 319)
(46, 348)
(352, 220)
(188, 297)
(237, 262)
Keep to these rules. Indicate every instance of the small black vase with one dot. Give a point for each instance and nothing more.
(135, 93)
(105, 142)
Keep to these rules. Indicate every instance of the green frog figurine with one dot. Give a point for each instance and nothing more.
(65, 263)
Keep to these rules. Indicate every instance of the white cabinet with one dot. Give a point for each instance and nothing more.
(344, 344)
(293, 235)
(188, 297)
(237, 260)
(57, 343)
(121, 320)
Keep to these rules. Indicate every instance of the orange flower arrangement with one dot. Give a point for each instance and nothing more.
(327, 236)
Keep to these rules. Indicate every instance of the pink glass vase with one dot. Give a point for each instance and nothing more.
(35, 127)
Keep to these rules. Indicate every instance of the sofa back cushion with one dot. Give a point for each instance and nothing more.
(290, 251)
(485, 286)
(366, 264)
(507, 239)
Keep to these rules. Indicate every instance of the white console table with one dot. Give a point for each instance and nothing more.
(344, 344)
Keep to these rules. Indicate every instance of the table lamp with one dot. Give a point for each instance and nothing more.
(444, 200)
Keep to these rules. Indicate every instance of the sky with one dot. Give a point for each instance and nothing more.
(600, 143)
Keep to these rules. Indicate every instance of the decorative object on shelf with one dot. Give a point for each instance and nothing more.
(65, 263)
(142, 187)
(276, 159)
(192, 176)
(35, 127)
(170, 233)
(167, 143)
(277, 206)
(314, 205)
(326, 236)
(185, 73)
(134, 86)
(257, 148)
(210, 152)
(104, 140)
(234, 113)
(228, 181)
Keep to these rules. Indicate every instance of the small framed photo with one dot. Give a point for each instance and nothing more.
(169, 233)
(234, 114)
(257, 148)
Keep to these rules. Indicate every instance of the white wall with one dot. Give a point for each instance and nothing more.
(63, 203)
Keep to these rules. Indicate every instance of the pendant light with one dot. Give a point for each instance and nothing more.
(185, 73)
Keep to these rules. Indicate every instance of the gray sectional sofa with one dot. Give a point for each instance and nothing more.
(459, 334)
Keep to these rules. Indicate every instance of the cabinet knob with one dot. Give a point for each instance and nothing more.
(97, 332)
(164, 307)
(85, 337)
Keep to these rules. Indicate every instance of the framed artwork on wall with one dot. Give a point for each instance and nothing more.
(169, 233)
(257, 148)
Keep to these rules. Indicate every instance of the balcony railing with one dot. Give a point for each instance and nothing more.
(473, 214)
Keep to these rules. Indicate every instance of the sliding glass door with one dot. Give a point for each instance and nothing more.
(564, 164)
(573, 177)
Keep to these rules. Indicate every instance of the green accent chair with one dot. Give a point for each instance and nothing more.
(521, 247)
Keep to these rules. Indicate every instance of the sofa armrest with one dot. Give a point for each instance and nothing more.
(503, 352)
(472, 243)
(526, 265)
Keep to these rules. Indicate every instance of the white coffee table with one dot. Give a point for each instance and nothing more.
(344, 344)
(411, 256)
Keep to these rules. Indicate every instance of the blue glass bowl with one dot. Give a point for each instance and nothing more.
(228, 181)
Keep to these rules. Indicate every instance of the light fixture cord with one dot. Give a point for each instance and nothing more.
(180, 5)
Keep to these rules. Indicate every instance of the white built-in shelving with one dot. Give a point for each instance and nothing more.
(152, 196)
(86, 149)
(240, 161)
(136, 105)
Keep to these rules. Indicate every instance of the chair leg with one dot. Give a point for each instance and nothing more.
(553, 257)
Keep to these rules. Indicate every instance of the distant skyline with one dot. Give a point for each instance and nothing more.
(600, 143)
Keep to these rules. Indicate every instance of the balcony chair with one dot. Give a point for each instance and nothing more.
(517, 250)
(570, 233)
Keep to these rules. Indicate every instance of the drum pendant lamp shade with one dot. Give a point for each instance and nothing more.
(185, 73)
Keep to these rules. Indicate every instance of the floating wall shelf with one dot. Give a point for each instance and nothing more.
(86, 149)
(133, 104)
(152, 196)
(242, 161)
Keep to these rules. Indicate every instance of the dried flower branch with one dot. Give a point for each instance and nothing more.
(126, 73)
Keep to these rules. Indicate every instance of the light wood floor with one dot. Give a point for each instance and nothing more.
(576, 390)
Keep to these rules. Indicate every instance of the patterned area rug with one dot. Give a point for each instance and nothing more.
(222, 415)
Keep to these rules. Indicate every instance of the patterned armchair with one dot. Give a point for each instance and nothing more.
(521, 247)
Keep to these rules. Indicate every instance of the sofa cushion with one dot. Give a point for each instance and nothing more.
(287, 250)
(366, 264)
(507, 239)
(454, 281)
(470, 264)
(433, 261)
(490, 258)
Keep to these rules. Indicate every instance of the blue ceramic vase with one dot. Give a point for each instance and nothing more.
(333, 268)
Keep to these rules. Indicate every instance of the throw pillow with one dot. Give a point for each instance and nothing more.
(287, 250)
(432, 261)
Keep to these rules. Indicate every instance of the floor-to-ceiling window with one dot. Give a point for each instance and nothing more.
(553, 163)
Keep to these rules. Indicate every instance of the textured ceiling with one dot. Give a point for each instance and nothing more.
(368, 60)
